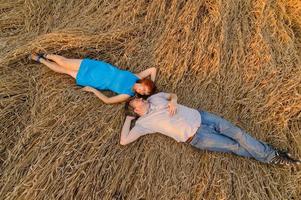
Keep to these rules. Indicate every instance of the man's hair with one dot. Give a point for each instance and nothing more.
(129, 110)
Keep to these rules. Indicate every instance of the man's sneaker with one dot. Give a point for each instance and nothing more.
(283, 158)
(289, 156)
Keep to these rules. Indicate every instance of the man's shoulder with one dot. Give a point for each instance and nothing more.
(159, 95)
(146, 121)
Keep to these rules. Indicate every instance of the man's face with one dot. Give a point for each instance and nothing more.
(140, 106)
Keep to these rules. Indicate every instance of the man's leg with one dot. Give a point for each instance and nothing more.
(207, 139)
(259, 150)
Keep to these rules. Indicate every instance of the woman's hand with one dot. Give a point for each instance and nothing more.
(172, 108)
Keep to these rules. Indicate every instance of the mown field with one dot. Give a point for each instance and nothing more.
(240, 59)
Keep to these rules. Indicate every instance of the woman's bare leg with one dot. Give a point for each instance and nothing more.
(54, 66)
(57, 68)
(70, 64)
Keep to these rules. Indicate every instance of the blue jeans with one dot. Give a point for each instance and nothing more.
(217, 134)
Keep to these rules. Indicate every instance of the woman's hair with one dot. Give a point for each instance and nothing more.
(148, 83)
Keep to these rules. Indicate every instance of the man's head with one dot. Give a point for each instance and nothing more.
(139, 105)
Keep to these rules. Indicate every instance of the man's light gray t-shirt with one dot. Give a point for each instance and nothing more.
(180, 126)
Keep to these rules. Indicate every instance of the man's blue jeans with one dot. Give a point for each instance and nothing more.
(217, 134)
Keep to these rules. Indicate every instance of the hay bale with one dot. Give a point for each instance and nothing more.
(239, 59)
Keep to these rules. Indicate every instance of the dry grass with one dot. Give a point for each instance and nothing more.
(239, 59)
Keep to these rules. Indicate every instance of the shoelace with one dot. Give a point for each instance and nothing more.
(284, 158)
(280, 160)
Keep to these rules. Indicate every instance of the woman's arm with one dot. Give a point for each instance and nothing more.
(105, 99)
(152, 72)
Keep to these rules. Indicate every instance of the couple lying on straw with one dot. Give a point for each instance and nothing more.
(160, 113)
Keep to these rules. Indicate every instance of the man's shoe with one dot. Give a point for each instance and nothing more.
(289, 156)
(283, 158)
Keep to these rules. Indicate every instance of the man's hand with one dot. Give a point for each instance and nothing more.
(172, 104)
(172, 108)
(130, 117)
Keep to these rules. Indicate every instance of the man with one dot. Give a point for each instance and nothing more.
(161, 113)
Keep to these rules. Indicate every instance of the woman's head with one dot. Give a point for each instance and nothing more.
(145, 87)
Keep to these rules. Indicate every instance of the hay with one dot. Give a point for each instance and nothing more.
(239, 59)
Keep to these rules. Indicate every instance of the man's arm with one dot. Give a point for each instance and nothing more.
(168, 96)
(173, 97)
(172, 101)
(108, 100)
(127, 136)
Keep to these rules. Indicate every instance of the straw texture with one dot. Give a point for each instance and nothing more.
(238, 59)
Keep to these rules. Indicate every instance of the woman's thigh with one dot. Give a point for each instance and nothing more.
(71, 64)
(72, 73)
(67, 63)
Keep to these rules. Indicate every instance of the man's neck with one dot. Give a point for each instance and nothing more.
(147, 107)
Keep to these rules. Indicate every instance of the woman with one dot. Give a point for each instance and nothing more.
(98, 75)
